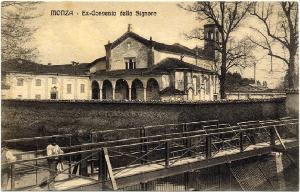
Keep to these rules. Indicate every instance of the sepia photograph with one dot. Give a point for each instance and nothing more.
(149, 96)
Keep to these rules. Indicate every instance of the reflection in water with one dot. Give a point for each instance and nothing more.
(251, 174)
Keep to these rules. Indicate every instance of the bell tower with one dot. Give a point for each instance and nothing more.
(211, 39)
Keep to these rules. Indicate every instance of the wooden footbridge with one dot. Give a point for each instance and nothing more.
(124, 157)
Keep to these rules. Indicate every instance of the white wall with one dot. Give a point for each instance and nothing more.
(30, 90)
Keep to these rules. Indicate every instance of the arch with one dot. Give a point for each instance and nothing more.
(107, 90)
(122, 90)
(95, 90)
(152, 90)
(137, 90)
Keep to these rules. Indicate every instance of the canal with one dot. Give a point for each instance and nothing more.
(274, 172)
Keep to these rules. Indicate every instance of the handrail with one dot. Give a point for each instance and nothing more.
(147, 137)
(144, 143)
(104, 131)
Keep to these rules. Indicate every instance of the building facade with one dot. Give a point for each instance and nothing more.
(134, 68)
(23, 79)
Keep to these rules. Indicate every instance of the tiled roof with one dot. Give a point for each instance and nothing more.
(175, 48)
(172, 63)
(25, 66)
(164, 67)
(97, 60)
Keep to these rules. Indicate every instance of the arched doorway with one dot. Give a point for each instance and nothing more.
(152, 90)
(54, 93)
(122, 90)
(95, 90)
(107, 90)
(137, 90)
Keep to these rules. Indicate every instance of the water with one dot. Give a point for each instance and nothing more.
(259, 174)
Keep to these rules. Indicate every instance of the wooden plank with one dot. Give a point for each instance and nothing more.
(110, 171)
(279, 138)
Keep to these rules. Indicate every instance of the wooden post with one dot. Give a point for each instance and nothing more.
(188, 142)
(70, 157)
(241, 141)
(102, 169)
(167, 163)
(272, 136)
(36, 163)
(208, 146)
(102, 166)
(92, 158)
(109, 168)
(12, 177)
(145, 145)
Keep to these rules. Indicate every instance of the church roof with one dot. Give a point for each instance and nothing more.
(163, 67)
(97, 60)
(174, 48)
(25, 66)
(173, 63)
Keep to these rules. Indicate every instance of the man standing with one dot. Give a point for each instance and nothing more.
(6, 157)
(53, 150)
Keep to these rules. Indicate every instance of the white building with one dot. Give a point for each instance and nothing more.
(134, 68)
(27, 80)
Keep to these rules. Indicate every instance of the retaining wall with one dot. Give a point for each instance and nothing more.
(24, 118)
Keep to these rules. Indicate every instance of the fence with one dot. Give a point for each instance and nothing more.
(163, 145)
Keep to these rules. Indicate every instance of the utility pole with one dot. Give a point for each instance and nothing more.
(254, 72)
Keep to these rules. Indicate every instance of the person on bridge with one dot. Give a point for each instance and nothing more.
(6, 157)
(79, 138)
(53, 150)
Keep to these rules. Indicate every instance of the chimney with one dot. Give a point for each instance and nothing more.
(108, 54)
(129, 28)
(151, 53)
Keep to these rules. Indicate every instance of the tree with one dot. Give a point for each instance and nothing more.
(227, 17)
(17, 30)
(280, 29)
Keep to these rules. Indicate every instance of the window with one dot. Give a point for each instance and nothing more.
(20, 82)
(69, 88)
(130, 63)
(38, 82)
(128, 45)
(38, 96)
(81, 88)
(54, 80)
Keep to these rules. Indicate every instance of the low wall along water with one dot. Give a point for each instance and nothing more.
(28, 118)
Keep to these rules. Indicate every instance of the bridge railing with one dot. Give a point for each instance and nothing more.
(164, 150)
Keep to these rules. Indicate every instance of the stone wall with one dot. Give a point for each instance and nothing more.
(123, 50)
(32, 118)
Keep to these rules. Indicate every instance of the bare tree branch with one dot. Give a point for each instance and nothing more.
(17, 29)
(227, 17)
(284, 32)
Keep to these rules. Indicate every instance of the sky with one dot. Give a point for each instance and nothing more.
(62, 39)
